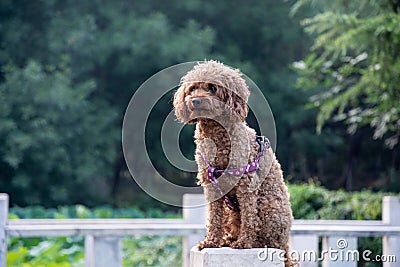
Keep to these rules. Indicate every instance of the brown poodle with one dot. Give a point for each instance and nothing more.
(243, 182)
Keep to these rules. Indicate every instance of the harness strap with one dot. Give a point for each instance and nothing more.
(213, 173)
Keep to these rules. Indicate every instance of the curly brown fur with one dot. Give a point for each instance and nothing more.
(214, 97)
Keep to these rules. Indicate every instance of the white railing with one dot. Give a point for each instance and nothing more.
(103, 236)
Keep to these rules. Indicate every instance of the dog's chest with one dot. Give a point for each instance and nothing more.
(228, 153)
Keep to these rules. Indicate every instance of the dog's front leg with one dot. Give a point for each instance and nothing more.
(215, 229)
(249, 220)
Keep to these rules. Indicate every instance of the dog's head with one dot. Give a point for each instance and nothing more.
(211, 90)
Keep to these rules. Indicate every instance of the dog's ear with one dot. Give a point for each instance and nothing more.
(238, 104)
(179, 104)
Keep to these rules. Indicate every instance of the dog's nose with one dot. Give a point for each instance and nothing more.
(196, 101)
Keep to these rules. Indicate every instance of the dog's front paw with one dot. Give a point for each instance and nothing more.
(241, 244)
(208, 244)
(227, 240)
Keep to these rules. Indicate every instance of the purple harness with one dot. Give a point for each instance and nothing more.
(213, 173)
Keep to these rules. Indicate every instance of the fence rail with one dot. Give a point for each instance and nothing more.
(103, 245)
(108, 227)
(117, 227)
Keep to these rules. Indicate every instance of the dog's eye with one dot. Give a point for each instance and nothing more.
(212, 88)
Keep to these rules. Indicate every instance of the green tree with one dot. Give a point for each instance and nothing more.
(355, 65)
(74, 66)
(52, 146)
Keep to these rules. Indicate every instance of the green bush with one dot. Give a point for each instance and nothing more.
(49, 252)
(152, 251)
(306, 200)
(310, 201)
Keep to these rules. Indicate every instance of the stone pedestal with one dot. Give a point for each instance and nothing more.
(227, 257)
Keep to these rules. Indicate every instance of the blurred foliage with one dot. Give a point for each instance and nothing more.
(69, 68)
(68, 71)
(355, 64)
(310, 201)
(152, 251)
(69, 252)
(49, 252)
(47, 129)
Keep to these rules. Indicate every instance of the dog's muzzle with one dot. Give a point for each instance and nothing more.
(196, 102)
